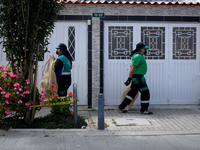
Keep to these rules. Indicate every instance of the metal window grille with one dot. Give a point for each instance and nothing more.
(184, 43)
(154, 37)
(120, 43)
(71, 41)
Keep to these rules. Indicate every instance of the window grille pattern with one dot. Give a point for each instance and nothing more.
(154, 37)
(184, 43)
(71, 41)
(120, 42)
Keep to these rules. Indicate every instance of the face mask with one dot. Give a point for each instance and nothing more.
(145, 52)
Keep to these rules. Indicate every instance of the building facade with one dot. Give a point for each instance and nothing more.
(101, 35)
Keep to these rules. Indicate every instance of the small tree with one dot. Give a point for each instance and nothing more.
(25, 28)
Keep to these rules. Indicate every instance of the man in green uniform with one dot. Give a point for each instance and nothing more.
(136, 74)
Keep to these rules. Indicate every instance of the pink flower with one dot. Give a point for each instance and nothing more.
(17, 92)
(12, 75)
(40, 98)
(16, 76)
(16, 84)
(41, 94)
(7, 95)
(22, 95)
(0, 88)
(9, 63)
(5, 69)
(6, 101)
(3, 92)
(44, 97)
(26, 92)
(20, 101)
(42, 91)
(3, 75)
(27, 81)
(7, 112)
(20, 89)
(28, 103)
(30, 108)
(1, 67)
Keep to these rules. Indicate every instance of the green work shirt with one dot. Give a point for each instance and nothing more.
(66, 63)
(140, 62)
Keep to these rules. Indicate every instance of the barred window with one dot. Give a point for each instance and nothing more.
(184, 43)
(120, 43)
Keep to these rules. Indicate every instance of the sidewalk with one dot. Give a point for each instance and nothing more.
(167, 119)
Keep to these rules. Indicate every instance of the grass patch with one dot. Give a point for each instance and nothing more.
(106, 125)
(126, 125)
(109, 109)
(114, 122)
(92, 110)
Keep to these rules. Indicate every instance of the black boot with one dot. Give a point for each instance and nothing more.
(125, 102)
(144, 109)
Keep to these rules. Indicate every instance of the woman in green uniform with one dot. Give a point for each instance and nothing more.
(62, 68)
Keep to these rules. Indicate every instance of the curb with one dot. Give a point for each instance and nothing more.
(90, 122)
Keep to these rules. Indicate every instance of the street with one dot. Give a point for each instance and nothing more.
(96, 141)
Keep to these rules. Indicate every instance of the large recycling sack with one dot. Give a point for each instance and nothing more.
(124, 93)
(49, 76)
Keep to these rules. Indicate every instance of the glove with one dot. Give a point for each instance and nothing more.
(128, 81)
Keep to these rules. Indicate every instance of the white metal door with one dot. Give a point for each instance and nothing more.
(184, 64)
(116, 68)
(3, 60)
(155, 36)
(74, 35)
(164, 76)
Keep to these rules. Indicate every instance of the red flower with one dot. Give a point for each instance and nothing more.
(52, 85)
(70, 94)
(56, 95)
(72, 112)
(54, 90)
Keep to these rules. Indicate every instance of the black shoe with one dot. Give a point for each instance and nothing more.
(146, 112)
(123, 110)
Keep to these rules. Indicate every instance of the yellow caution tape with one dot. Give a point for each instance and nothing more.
(50, 99)
(60, 103)
(44, 105)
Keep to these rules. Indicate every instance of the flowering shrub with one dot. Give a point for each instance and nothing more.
(14, 94)
(54, 98)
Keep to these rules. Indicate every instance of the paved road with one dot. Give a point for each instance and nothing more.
(85, 141)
